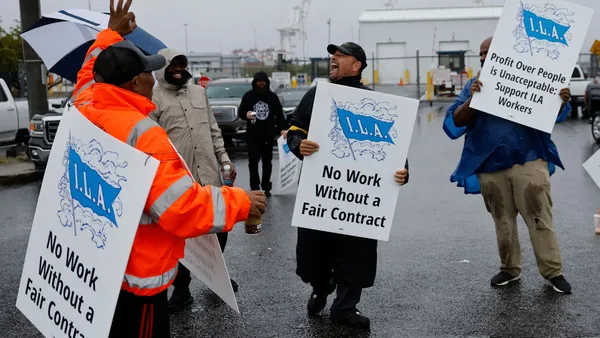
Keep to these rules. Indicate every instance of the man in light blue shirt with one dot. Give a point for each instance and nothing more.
(510, 165)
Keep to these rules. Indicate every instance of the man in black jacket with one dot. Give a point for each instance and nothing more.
(262, 110)
(329, 260)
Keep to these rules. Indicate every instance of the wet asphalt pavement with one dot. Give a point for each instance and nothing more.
(433, 274)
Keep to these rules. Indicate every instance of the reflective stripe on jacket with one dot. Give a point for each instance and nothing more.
(176, 208)
(85, 77)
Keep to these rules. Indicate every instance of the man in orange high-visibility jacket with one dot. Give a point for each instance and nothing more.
(177, 207)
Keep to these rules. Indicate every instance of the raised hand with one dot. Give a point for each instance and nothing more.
(121, 19)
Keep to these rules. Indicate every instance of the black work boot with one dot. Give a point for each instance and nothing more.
(318, 300)
(234, 285)
(351, 318)
(180, 300)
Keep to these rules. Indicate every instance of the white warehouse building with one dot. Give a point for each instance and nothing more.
(443, 36)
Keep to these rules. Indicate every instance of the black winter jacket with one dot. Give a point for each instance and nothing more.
(270, 118)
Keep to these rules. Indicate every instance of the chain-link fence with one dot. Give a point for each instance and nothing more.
(409, 75)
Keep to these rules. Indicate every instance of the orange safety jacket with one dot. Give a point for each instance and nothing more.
(177, 207)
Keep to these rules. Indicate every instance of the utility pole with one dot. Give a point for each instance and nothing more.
(185, 26)
(90, 5)
(303, 44)
(35, 71)
(255, 44)
(329, 31)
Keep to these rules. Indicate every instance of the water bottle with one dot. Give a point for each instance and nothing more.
(227, 175)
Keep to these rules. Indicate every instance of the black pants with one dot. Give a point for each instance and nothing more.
(184, 278)
(347, 297)
(141, 316)
(259, 149)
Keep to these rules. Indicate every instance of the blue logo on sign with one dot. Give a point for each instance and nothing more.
(286, 148)
(543, 30)
(89, 189)
(363, 128)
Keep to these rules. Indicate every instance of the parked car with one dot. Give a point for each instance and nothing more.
(291, 99)
(578, 87)
(14, 117)
(43, 129)
(224, 97)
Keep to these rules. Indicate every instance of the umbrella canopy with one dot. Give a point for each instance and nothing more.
(62, 39)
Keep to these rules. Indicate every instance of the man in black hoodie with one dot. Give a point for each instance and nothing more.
(328, 260)
(263, 113)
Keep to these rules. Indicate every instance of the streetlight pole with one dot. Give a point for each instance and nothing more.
(35, 71)
(329, 31)
(90, 4)
(185, 25)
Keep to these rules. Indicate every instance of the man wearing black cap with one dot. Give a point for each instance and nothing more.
(329, 260)
(114, 91)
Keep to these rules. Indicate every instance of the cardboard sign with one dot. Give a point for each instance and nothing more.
(203, 257)
(289, 168)
(88, 212)
(348, 186)
(532, 56)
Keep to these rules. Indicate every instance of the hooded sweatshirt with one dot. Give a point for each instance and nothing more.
(185, 114)
(269, 112)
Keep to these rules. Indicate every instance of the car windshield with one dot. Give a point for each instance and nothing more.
(227, 90)
(293, 95)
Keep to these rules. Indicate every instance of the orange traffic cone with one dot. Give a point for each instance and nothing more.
(401, 82)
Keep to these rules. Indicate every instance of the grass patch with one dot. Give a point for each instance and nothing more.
(9, 160)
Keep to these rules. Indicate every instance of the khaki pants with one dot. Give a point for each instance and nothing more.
(523, 189)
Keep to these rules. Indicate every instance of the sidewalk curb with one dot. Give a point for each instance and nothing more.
(21, 178)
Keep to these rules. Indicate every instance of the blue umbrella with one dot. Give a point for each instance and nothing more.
(62, 39)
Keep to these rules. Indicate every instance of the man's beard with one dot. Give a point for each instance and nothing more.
(177, 82)
(261, 90)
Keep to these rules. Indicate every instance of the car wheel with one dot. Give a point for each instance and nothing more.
(574, 108)
(585, 113)
(596, 127)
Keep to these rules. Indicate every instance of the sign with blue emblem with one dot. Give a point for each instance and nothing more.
(532, 56)
(348, 186)
(89, 208)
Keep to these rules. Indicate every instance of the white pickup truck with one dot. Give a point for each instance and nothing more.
(578, 86)
(14, 117)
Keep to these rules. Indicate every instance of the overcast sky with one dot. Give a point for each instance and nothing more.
(229, 24)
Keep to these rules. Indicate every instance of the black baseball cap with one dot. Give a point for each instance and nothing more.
(123, 61)
(352, 49)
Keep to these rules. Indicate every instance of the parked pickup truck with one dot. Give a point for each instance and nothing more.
(43, 129)
(578, 87)
(14, 117)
